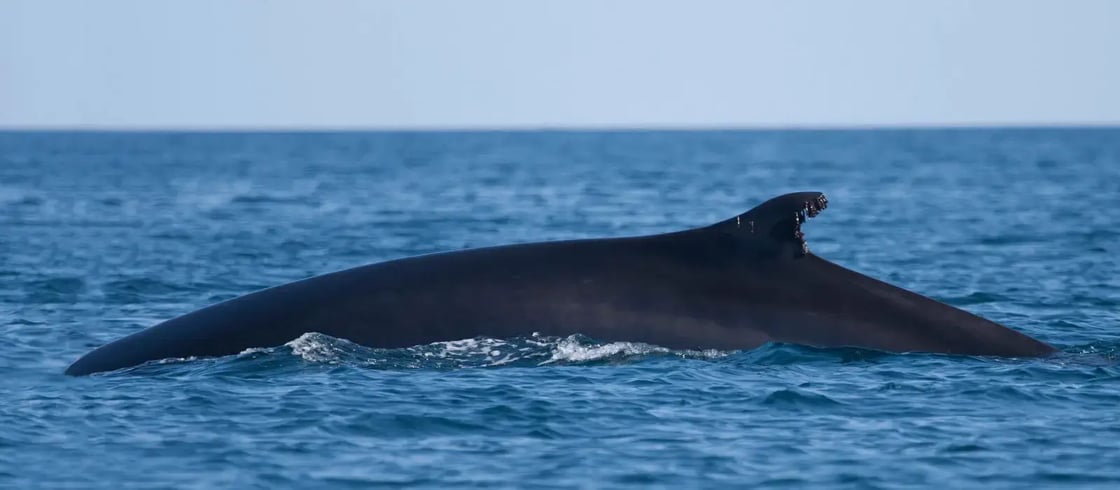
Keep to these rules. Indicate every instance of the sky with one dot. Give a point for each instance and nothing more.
(214, 64)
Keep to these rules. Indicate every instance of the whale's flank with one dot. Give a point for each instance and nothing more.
(735, 284)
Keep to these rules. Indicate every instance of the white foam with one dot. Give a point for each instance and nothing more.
(175, 360)
(464, 347)
(571, 350)
(253, 350)
(482, 351)
(315, 347)
(707, 353)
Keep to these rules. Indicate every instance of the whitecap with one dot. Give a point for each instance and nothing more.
(316, 347)
(571, 349)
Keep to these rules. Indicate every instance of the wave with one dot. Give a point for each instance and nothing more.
(317, 349)
(535, 350)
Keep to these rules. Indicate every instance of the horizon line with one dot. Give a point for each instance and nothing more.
(532, 128)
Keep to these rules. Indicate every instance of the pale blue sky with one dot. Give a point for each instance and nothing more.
(415, 63)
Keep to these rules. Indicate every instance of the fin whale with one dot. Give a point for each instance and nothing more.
(736, 284)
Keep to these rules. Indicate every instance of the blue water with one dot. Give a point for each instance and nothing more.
(102, 235)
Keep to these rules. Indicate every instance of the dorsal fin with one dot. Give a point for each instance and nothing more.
(775, 225)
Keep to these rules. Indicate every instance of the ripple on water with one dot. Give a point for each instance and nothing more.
(138, 289)
(57, 289)
(103, 234)
(795, 399)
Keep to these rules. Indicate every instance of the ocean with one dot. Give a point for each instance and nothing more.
(106, 233)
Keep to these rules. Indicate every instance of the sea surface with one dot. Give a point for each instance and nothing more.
(105, 234)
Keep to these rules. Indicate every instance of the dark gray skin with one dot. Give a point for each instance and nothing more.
(734, 285)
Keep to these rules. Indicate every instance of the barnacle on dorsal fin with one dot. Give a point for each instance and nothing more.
(776, 224)
(810, 209)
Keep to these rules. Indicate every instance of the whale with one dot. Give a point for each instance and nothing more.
(733, 285)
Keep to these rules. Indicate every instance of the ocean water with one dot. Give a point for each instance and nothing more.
(104, 234)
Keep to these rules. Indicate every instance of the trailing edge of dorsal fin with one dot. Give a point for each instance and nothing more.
(776, 224)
